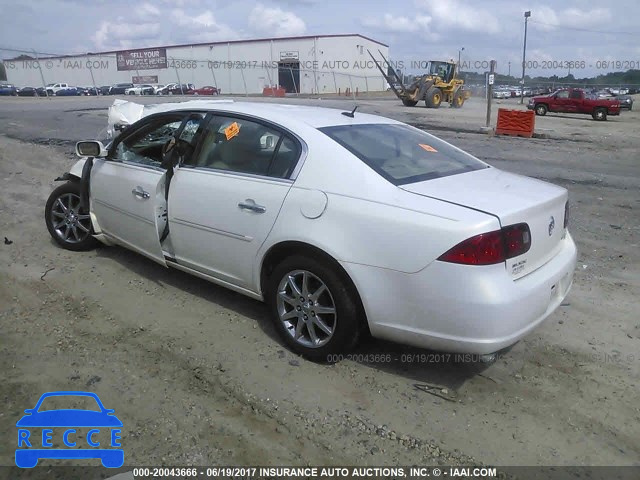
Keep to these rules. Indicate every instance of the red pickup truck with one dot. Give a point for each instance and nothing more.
(575, 100)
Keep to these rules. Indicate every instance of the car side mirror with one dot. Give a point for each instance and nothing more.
(91, 148)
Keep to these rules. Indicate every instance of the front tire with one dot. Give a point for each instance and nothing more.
(433, 97)
(67, 224)
(541, 110)
(314, 307)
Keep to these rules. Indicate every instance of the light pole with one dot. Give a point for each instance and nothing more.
(459, 54)
(509, 68)
(527, 14)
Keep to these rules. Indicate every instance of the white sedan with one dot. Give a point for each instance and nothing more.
(341, 222)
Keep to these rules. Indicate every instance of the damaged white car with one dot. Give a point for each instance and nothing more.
(341, 222)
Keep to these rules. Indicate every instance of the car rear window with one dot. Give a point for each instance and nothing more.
(403, 154)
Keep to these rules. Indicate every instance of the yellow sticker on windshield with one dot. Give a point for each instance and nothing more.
(232, 130)
(428, 148)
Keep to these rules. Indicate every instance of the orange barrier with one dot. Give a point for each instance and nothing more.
(273, 92)
(519, 123)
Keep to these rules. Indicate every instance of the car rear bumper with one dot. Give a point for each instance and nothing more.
(459, 308)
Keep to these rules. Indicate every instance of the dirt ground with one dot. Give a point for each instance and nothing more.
(199, 377)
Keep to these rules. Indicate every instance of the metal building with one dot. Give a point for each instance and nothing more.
(305, 64)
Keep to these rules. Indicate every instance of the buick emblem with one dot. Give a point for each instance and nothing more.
(552, 225)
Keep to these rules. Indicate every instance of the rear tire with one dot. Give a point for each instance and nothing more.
(67, 224)
(541, 110)
(600, 114)
(298, 288)
(409, 103)
(433, 97)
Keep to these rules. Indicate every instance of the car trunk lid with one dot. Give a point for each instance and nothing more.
(512, 199)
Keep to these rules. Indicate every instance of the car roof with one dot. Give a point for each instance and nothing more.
(286, 115)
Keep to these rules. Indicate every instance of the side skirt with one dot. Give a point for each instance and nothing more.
(172, 262)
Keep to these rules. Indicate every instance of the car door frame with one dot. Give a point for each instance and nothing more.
(246, 287)
(562, 104)
(128, 132)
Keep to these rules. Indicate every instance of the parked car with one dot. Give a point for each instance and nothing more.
(69, 92)
(140, 90)
(164, 90)
(91, 90)
(502, 93)
(157, 88)
(208, 90)
(42, 92)
(176, 89)
(28, 92)
(626, 101)
(104, 89)
(8, 89)
(293, 227)
(120, 88)
(575, 100)
(53, 88)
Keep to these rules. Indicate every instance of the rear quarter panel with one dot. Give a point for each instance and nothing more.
(367, 220)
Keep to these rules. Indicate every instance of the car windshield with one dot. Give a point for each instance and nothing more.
(403, 154)
(65, 402)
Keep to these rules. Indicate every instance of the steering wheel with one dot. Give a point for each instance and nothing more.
(169, 149)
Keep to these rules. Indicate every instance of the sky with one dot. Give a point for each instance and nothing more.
(559, 31)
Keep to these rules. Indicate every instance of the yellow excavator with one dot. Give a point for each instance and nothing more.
(438, 85)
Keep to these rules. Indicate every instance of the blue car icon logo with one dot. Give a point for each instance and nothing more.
(64, 433)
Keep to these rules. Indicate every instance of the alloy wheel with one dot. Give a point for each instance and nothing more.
(69, 224)
(306, 308)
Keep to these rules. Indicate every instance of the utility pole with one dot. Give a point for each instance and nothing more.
(490, 81)
(509, 68)
(44, 84)
(527, 14)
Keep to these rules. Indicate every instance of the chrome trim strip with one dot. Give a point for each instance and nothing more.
(135, 166)
(231, 173)
(123, 212)
(206, 228)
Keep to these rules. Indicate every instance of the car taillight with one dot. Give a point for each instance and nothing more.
(492, 247)
(566, 214)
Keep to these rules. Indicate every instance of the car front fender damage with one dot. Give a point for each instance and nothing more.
(75, 174)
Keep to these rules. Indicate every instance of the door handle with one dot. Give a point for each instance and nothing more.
(139, 192)
(250, 204)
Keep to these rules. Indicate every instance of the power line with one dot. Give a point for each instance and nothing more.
(564, 27)
(18, 50)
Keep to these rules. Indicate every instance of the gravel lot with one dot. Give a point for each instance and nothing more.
(198, 376)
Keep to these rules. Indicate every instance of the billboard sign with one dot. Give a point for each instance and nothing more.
(143, 59)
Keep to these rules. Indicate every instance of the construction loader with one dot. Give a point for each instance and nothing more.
(438, 85)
